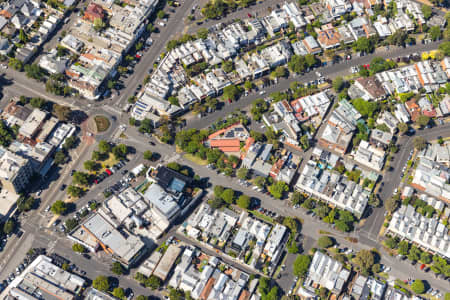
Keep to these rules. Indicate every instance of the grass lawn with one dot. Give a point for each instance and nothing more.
(110, 161)
(196, 159)
(102, 123)
(262, 216)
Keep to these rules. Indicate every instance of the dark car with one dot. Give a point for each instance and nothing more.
(87, 256)
(63, 187)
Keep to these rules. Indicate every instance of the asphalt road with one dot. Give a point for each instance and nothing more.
(173, 28)
(283, 84)
(391, 179)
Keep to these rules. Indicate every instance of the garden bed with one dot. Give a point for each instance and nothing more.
(102, 123)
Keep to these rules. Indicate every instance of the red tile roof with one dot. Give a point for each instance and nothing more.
(244, 295)
(207, 290)
(225, 143)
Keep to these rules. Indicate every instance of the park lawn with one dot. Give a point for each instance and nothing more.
(196, 159)
(102, 123)
(110, 161)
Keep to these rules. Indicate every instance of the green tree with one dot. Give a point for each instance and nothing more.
(71, 224)
(153, 282)
(419, 143)
(425, 258)
(278, 188)
(403, 248)
(118, 292)
(427, 12)
(243, 201)
(104, 147)
(391, 243)
(175, 294)
(228, 66)
(293, 247)
(25, 203)
(148, 155)
(445, 48)
(78, 248)
(338, 84)
(304, 141)
(365, 108)
(161, 14)
(297, 198)
(301, 265)
(141, 297)
(435, 33)
(70, 142)
(402, 127)
(15, 64)
(59, 207)
(62, 112)
(146, 126)
(311, 60)
(202, 33)
(99, 25)
(9, 226)
(218, 190)
(279, 72)
(325, 242)
(297, 64)
(418, 286)
(414, 253)
(35, 72)
(23, 36)
(365, 260)
(242, 173)
(60, 158)
(423, 120)
(74, 191)
(120, 151)
(260, 181)
(248, 85)
(117, 268)
(364, 44)
(91, 165)
(101, 283)
(80, 178)
(228, 196)
(216, 202)
(231, 92)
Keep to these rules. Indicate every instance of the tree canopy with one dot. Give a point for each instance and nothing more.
(301, 265)
(101, 283)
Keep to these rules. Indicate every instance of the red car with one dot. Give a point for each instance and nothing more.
(422, 266)
(108, 171)
(95, 181)
(138, 56)
(249, 15)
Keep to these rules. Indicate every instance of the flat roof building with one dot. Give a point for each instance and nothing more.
(44, 280)
(167, 262)
(15, 171)
(126, 248)
(32, 124)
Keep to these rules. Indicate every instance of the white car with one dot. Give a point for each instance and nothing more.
(395, 191)
(262, 92)
(387, 269)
